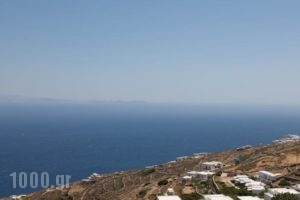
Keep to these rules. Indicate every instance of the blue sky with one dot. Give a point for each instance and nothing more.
(223, 52)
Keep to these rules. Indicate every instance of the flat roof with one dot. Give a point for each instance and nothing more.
(254, 183)
(212, 163)
(282, 190)
(241, 176)
(217, 197)
(201, 172)
(173, 197)
(269, 173)
(297, 186)
(248, 198)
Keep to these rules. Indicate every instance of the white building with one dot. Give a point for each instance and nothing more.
(213, 165)
(242, 179)
(173, 197)
(203, 175)
(216, 197)
(248, 198)
(170, 191)
(254, 186)
(296, 187)
(256, 189)
(187, 178)
(290, 138)
(16, 197)
(273, 191)
(268, 176)
(200, 155)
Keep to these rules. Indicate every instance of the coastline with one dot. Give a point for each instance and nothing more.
(129, 183)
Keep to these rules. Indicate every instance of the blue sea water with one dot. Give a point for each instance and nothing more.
(78, 139)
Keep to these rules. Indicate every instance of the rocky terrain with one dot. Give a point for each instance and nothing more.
(148, 182)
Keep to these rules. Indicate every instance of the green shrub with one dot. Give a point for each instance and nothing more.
(285, 196)
(142, 193)
(163, 182)
(230, 191)
(244, 192)
(233, 192)
(284, 182)
(192, 196)
(148, 171)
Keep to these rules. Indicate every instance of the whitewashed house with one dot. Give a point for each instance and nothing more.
(200, 155)
(170, 191)
(248, 198)
(273, 191)
(242, 179)
(203, 175)
(17, 197)
(187, 178)
(213, 165)
(256, 189)
(216, 197)
(268, 176)
(254, 186)
(296, 187)
(172, 197)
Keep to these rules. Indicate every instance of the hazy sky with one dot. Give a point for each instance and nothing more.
(190, 51)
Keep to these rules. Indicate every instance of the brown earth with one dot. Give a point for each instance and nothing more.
(143, 183)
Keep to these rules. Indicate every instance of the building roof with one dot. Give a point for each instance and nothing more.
(297, 187)
(170, 190)
(173, 197)
(212, 163)
(192, 172)
(248, 198)
(255, 183)
(241, 176)
(255, 188)
(187, 177)
(201, 173)
(282, 190)
(217, 197)
(269, 173)
(206, 173)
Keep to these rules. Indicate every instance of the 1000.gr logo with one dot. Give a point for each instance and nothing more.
(36, 180)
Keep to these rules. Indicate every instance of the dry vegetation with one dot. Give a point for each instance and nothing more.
(143, 184)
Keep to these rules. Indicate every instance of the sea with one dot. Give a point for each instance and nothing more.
(78, 139)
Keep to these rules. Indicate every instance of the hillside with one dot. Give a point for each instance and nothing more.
(148, 182)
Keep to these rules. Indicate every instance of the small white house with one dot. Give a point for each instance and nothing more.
(248, 198)
(254, 186)
(170, 191)
(17, 197)
(203, 175)
(256, 189)
(213, 165)
(268, 176)
(172, 197)
(242, 179)
(216, 197)
(200, 155)
(187, 178)
(296, 187)
(273, 191)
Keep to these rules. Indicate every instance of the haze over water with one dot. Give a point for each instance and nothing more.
(208, 60)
